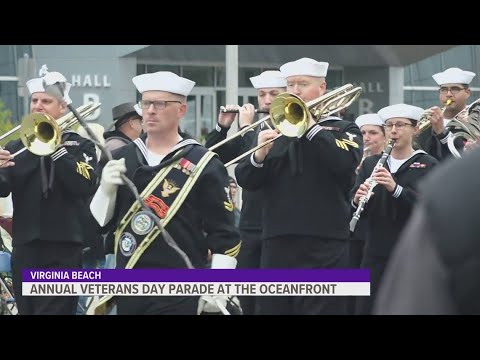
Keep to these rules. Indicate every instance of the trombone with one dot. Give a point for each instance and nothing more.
(290, 115)
(41, 134)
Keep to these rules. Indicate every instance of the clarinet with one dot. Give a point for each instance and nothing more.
(371, 184)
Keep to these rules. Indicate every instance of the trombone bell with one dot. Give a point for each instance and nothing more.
(289, 115)
(40, 134)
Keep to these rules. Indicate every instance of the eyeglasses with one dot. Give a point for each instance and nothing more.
(158, 104)
(454, 90)
(400, 125)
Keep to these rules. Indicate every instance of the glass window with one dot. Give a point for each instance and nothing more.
(334, 79)
(202, 75)
(8, 95)
(187, 124)
(423, 99)
(141, 69)
(7, 60)
(207, 117)
(244, 75)
(155, 68)
(221, 99)
(220, 77)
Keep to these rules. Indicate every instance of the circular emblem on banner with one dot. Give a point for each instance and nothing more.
(142, 223)
(128, 244)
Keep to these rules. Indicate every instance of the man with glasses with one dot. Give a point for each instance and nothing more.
(186, 186)
(387, 212)
(454, 86)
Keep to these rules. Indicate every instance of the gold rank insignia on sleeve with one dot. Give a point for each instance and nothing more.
(233, 252)
(343, 144)
(83, 169)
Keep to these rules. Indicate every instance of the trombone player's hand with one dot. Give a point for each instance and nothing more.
(5, 159)
(264, 136)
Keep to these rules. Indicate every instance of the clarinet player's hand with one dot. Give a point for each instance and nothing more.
(383, 177)
(361, 192)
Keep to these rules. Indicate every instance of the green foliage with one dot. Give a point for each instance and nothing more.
(6, 124)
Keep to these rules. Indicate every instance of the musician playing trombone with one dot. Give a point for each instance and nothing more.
(49, 194)
(453, 93)
(268, 84)
(394, 195)
(305, 183)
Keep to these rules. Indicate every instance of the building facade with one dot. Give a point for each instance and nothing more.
(103, 73)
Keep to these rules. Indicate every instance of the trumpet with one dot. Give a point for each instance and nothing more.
(290, 115)
(257, 111)
(424, 122)
(41, 134)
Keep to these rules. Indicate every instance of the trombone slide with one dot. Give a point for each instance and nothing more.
(13, 156)
(231, 162)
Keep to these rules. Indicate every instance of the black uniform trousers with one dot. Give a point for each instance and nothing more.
(249, 258)
(157, 305)
(40, 254)
(376, 264)
(356, 246)
(302, 252)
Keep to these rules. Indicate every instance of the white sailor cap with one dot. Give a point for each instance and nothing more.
(269, 79)
(163, 81)
(454, 76)
(138, 109)
(36, 85)
(305, 67)
(369, 119)
(401, 111)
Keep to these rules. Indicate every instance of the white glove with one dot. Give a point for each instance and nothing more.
(111, 176)
(218, 303)
(212, 304)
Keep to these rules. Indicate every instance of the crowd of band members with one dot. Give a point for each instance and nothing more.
(298, 195)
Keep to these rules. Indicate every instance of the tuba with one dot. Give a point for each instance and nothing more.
(465, 125)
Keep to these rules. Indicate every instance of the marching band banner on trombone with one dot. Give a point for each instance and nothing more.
(187, 282)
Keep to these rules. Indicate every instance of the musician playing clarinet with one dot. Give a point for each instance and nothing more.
(389, 208)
